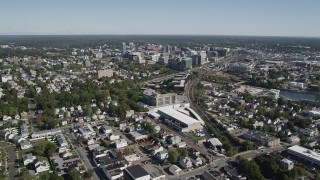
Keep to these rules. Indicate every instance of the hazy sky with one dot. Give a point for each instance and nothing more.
(201, 17)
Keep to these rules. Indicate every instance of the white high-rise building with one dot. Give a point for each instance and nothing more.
(124, 48)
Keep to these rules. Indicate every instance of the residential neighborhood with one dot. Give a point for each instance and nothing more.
(132, 110)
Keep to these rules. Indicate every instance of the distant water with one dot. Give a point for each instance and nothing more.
(298, 96)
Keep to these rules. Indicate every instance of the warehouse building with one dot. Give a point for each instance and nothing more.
(179, 120)
(305, 155)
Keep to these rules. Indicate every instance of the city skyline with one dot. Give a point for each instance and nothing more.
(142, 17)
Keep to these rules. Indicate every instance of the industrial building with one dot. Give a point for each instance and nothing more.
(136, 172)
(305, 155)
(179, 120)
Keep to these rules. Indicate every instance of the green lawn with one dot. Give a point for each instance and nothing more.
(192, 136)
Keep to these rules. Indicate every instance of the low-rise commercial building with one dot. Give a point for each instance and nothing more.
(136, 172)
(261, 138)
(305, 155)
(46, 133)
(179, 120)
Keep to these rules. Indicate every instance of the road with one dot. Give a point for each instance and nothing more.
(214, 165)
(12, 157)
(254, 153)
(83, 155)
(184, 138)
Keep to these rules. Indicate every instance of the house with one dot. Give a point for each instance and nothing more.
(61, 140)
(105, 129)
(99, 152)
(257, 124)
(24, 131)
(25, 144)
(181, 145)
(66, 154)
(286, 164)
(309, 132)
(42, 166)
(175, 170)
(120, 143)
(156, 149)
(138, 118)
(196, 160)
(174, 139)
(64, 122)
(86, 131)
(293, 139)
(276, 127)
(139, 135)
(162, 155)
(90, 141)
(16, 139)
(129, 113)
(113, 136)
(185, 162)
(24, 116)
(131, 158)
(28, 159)
(4, 134)
(166, 134)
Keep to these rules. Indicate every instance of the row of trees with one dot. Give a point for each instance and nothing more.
(270, 168)
(10, 104)
(175, 153)
(46, 148)
(267, 167)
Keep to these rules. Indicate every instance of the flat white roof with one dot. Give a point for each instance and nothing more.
(306, 152)
(215, 142)
(178, 115)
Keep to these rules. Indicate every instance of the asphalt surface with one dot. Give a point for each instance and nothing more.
(97, 173)
(12, 156)
(214, 165)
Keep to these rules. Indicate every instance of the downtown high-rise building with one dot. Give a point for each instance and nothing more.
(124, 48)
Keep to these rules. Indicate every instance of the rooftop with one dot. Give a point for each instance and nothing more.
(178, 115)
(306, 152)
(137, 171)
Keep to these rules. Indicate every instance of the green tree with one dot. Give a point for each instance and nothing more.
(46, 148)
(301, 171)
(183, 152)
(173, 155)
(27, 176)
(148, 127)
(44, 176)
(87, 110)
(55, 176)
(74, 174)
(250, 168)
(88, 173)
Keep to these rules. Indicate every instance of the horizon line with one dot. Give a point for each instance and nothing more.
(84, 34)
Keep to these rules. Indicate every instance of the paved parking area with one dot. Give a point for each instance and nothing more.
(12, 156)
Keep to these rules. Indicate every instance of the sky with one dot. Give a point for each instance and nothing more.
(161, 17)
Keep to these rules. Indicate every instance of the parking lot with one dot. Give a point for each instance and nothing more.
(12, 156)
